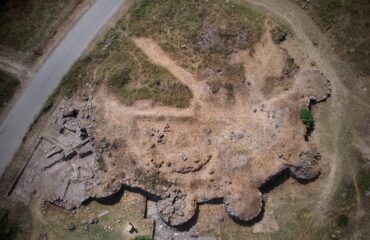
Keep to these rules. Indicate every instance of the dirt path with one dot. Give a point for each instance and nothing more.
(16, 123)
(159, 57)
(306, 31)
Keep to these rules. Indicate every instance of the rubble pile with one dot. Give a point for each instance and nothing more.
(63, 168)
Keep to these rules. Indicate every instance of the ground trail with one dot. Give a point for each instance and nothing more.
(159, 57)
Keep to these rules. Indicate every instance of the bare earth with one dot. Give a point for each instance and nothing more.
(224, 148)
(219, 148)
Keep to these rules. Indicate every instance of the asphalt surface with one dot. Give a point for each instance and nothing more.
(18, 120)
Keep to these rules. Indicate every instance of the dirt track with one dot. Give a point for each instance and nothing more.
(306, 31)
(16, 123)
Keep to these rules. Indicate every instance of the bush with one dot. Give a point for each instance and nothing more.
(279, 34)
(306, 117)
(342, 220)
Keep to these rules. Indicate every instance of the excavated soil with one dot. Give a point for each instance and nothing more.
(223, 146)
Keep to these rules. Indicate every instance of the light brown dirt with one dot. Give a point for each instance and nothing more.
(218, 148)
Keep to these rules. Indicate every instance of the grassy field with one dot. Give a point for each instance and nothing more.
(127, 72)
(200, 35)
(28, 24)
(112, 226)
(8, 86)
(347, 23)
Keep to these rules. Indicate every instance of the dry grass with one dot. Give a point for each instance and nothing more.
(28, 24)
(8, 86)
(128, 73)
(347, 24)
(200, 35)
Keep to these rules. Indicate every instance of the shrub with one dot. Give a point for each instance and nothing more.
(306, 117)
(342, 220)
(279, 34)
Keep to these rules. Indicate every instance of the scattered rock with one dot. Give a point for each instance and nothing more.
(308, 168)
(85, 153)
(69, 155)
(130, 228)
(71, 227)
(93, 221)
(106, 212)
(70, 112)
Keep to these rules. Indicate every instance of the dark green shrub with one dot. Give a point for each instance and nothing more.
(306, 117)
(342, 220)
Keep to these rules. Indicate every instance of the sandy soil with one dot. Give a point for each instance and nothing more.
(229, 146)
(226, 149)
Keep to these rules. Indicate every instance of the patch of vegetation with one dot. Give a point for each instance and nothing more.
(306, 117)
(348, 26)
(215, 86)
(101, 164)
(5, 226)
(201, 35)
(291, 67)
(138, 79)
(76, 77)
(279, 34)
(363, 178)
(94, 232)
(328, 11)
(342, 220)
(25, 24)
(142, 238)
(130, 75)
(48, 103)
(8, 86)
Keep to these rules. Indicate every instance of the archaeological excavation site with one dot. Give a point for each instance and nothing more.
(186, 120)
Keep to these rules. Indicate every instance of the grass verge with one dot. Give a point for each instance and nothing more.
(201, 35)
(128, 73)
(347, 24)
(8, 86)
(25, 24)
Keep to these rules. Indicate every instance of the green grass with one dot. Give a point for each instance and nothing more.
(26, 24)
(200, 35)
(306, 117)
(141, 238)
(327, 12)
(94, 232)
(137, 79)
(8, 86)
(101, 164)
(129, 74)
(348, 28)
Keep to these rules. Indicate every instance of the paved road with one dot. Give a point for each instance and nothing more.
(16, 124)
